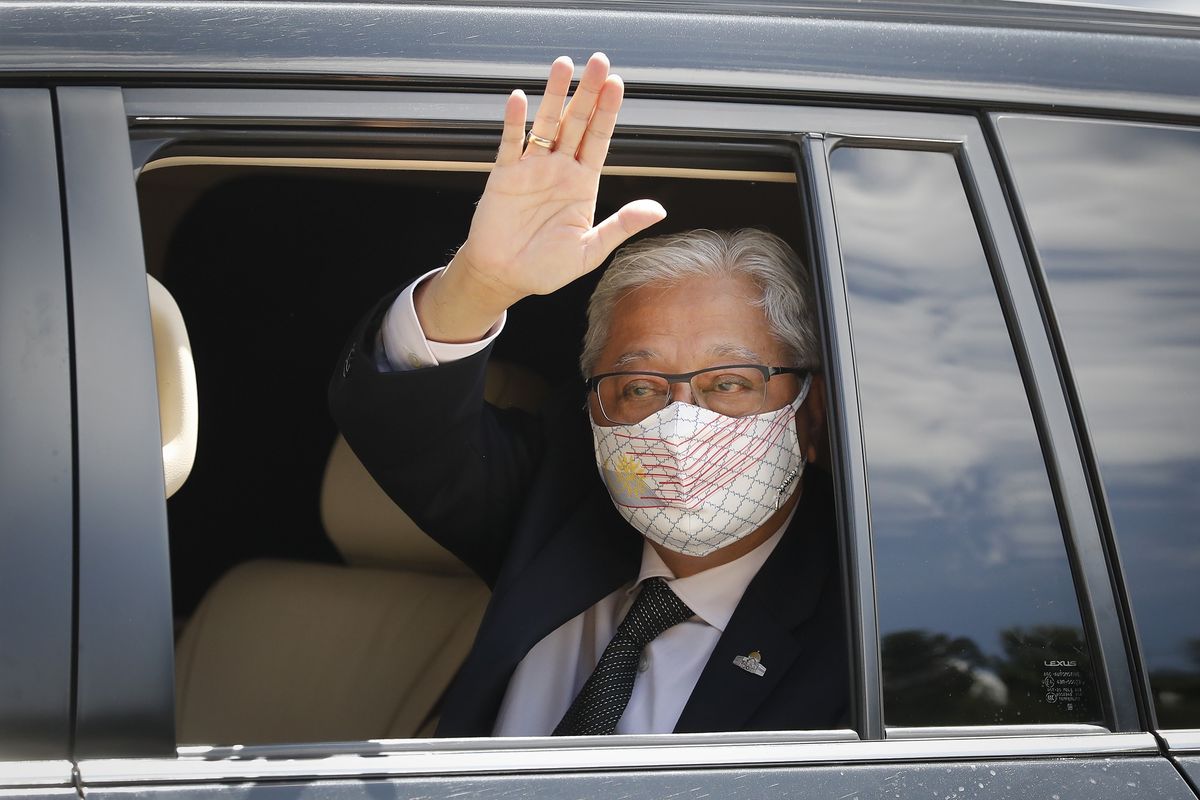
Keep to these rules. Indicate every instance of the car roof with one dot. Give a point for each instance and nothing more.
(978, 53)
(1130, 16)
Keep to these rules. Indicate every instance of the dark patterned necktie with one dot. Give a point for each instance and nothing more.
(601, 702)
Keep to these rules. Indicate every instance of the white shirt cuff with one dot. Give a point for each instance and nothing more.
(404, 340)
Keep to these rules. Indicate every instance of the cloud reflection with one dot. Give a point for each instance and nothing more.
(1113, 212)
(967, 536)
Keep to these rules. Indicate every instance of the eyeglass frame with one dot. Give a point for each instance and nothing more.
(671, 378)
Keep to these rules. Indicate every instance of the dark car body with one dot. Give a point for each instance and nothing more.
(91, 93)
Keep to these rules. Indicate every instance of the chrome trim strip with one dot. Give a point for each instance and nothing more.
(994, 731)
(35, 773)
(761, 176)
(1029, 313)
(1184, 740)
(547, 754)
(376, 747)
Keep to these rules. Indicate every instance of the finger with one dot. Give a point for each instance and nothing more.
(512, 140)
(583, 103)
(545, 124)
(594, 148)
(601, 240)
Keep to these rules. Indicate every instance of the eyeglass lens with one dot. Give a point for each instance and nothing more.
(732, 391)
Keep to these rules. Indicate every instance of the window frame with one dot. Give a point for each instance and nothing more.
(124, 692)
(36, 450)
(1099, 601)
(988, 246)
(157, 116)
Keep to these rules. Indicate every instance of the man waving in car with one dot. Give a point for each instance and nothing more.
(662, 557)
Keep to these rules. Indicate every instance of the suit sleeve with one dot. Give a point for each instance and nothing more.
(458, 466)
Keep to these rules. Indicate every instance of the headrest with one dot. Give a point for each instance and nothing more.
(178, 407)
(368, 529)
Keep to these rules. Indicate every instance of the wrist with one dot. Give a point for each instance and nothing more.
(455, 307)
(480, 286)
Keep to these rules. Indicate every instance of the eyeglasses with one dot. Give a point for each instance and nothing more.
(735, 390)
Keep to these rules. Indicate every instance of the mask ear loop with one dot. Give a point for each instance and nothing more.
(796, 471)
(804, 389)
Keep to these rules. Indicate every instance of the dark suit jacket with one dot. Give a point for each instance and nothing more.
(519, 500)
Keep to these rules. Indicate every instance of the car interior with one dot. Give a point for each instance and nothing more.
(308, 606)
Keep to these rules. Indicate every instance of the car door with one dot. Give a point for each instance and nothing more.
(36, 449)
(993, 603)
(855, 168)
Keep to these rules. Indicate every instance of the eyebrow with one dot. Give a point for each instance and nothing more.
(724, 350)
(625, 359)
(743, 354)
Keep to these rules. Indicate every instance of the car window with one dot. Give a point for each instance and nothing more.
(979, 621)
(252, 529)
(1112, 210)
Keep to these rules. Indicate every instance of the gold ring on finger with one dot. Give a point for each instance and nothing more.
(540, 141)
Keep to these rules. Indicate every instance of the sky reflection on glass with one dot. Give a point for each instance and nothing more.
(967, 539)
(1114, 210)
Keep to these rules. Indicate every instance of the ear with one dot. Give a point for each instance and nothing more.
(810, 422)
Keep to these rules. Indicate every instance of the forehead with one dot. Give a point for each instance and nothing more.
(690, 324)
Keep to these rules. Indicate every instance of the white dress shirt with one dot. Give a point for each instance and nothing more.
(404, 341)
(552, 673)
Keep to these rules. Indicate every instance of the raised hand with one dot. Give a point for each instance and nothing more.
(533, 230)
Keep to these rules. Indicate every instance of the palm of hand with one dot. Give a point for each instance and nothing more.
(532, 229)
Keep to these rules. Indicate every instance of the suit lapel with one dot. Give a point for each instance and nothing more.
(577, 548)
(726, 695)
(777, 602)
(592, 554)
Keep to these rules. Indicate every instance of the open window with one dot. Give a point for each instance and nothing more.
(308, 607)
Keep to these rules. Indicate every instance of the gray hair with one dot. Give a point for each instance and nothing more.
(787, 292)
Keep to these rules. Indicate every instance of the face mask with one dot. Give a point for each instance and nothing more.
(693, 480)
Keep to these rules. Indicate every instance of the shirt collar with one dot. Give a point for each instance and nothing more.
(714, 593)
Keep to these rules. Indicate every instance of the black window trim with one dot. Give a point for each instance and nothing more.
(125, 639)
(150, 109)
(1101, 605)
(846, 442)
(36, 440)
(1107, 615)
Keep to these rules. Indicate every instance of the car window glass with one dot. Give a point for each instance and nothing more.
(1112, 208)
(979, 621)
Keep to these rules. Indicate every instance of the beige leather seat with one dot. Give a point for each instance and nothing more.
(283, 651)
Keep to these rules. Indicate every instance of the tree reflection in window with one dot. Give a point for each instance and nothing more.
(967, 686)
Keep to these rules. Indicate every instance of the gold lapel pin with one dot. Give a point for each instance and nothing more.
(751, 663)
